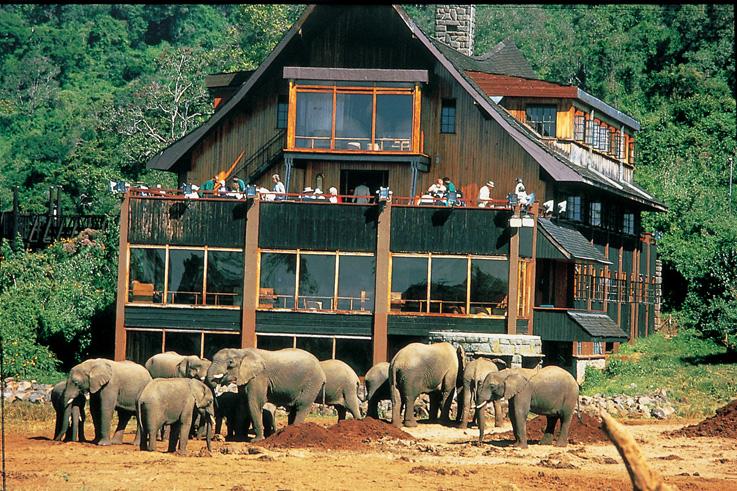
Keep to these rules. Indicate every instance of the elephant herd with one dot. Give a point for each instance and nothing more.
(188, 394)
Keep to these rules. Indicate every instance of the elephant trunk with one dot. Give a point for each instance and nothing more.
(63, 427)
(208, 429)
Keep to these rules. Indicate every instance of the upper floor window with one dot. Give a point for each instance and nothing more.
(631, 156)
(542, 119)
(595, 213)
(573, 208)
(595, 133)
(579, 127)
(603, 138)
(628, 223)
(615, 148)
(589, 133)
(448, 116)
(360, 117)
(282, 112)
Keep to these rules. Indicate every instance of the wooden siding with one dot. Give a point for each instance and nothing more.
(421, 325)
(525, 241)
(310, 323)
(187, 222)
(183, 318)
(450, 230)
(400, 175)
(318, 226)
(555, 325)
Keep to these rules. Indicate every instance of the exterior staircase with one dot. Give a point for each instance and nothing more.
(262, 159)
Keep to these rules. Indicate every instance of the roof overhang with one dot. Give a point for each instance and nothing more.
(605, 108)
(569, 243)
(598, 325)
(355, 74)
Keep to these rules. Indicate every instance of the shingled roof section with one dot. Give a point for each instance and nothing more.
(597, 325)
(571, 242)
(504, 59)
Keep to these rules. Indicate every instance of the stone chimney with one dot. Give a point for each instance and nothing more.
(455, 26)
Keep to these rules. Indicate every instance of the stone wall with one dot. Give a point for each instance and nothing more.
(516, 349)
(580, 365)
(455, 26)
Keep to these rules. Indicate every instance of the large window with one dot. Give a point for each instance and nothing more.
(628, 223)
(573, 208)
(603, 138)
(589, 135)
(353, 350)
(542, 119)
(448, 116)
(358, 117)
(324, 281)
(462, 285)
(185, 276)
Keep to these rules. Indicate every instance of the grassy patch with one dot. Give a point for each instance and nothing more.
(698, 374)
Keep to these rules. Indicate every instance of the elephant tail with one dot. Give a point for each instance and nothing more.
(578, 406)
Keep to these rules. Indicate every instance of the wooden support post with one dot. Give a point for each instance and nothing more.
(381, 286)
(513, 272)
(120, 335)
(288, 164)
(532, 279)
(250, 276)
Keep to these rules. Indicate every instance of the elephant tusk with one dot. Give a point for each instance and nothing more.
(69, 401)
(218, 377)
(482, 405)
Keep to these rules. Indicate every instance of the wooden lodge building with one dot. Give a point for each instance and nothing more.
(361, 95)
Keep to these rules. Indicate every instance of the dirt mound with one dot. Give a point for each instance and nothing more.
(723, 423)
(368, 429)
(587, 430)
(345, 435)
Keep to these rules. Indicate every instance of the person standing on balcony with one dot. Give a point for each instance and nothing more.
(449, 188)
(278, 186)
(362, 192)
(209, 185)
(239, 184)
(333, 193)
(485, 194)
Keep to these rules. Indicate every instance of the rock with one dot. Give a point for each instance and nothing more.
(663, 412)
(23, 386)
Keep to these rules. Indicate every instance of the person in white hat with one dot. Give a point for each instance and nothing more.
(485, 194)
(333, 193)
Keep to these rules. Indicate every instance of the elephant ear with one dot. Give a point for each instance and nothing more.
(499, 362)
(251, 367)
(183, 368)
(100, 374)
(513, 385)
(202, 394)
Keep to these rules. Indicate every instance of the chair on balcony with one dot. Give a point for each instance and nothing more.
(266, 298)
(142, 292)
(312, 304)
(396, 302)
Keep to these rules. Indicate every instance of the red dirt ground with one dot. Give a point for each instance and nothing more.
(586, 430)
(723, 424)
(349, 434)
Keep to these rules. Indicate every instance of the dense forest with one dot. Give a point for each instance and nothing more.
(89, 92)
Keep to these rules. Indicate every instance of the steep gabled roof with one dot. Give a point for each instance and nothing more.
(559, 168)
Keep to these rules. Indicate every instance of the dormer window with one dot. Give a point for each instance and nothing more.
(542, 119)
(579, 128)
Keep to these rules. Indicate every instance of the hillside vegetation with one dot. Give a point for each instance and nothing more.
(89, 92)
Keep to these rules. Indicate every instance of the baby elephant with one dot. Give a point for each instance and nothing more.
(73, 412)
(549, 391)
(174, 401)
(341, 388)
(229, 406)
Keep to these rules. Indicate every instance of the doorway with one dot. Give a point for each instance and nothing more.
(374, 179)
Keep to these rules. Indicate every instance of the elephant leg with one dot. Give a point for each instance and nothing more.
(464, 406)
(373, 408)
(341, 412)
(498, 416)
(75, 423)
(60, 429)
(241, 416)
(434, 406)
(409, 410)
(565, 425)
(107, 406)
(185, 426)
(354, 407)
(445, 404)
(137, 438)
(218, 423)
(176, 429)
(269, 423)
(481, 414)
(518, 410)
(123, 419)
(95, 410)
(547, 438)
(82, 419)
(302, 411)
(397, 407)
(255, 404)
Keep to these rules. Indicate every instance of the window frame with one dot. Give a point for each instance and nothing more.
(448, 116)
(334, 300)
(165, 294)
(428, 300)
(593, 213)
(579, 126)
(574, 198)
(628, 218)
(282, 112)
(540, 126)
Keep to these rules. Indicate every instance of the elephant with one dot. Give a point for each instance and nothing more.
(227, 407)
(425, 368)
(173, 365)
(174, 402)
(113, 386)
(65, 413)
(341, 388)
(549, 391)
(377, 387)
(474, 373)
(289, 377)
